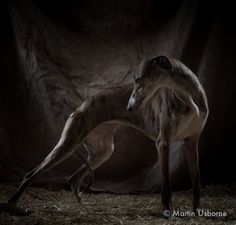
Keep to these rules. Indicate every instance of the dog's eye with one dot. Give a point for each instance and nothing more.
(137, 80)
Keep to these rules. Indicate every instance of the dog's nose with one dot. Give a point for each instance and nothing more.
(129, 108)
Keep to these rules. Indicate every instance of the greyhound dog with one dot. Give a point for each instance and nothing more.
(167, 103)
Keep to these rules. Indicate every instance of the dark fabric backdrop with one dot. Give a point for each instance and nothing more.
(54, 54)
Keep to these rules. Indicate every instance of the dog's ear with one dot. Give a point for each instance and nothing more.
(163, 62)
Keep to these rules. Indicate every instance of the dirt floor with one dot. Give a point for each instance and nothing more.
(60, 207)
